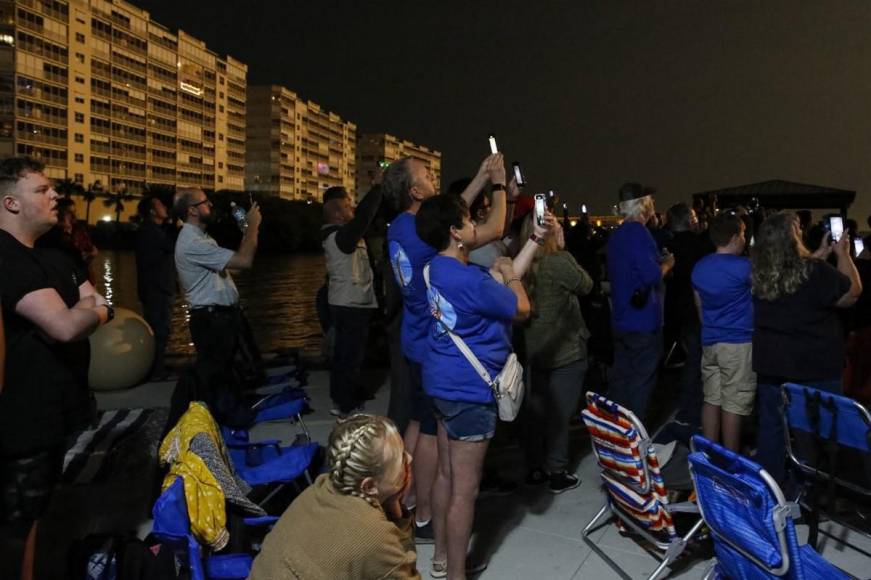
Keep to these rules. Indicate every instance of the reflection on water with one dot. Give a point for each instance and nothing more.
(277, 294)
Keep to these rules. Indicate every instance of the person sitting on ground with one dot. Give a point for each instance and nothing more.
(556, 348)
(721, 286)
(478, 306)
(797, 333)
(350, 523)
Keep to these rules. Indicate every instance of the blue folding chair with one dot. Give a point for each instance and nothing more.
(172, 525)
(750, 521)
(828, 439)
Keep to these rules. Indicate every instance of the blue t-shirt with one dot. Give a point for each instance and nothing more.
(723, 284)
(633, 263)
(408, 255)
(479, 310)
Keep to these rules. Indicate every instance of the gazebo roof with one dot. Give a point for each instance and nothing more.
(780, 194)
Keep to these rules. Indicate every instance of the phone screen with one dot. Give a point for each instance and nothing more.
(859, 246)
(836, 224)
(518, 175)
(539, 208)
(493, 148)
(583, 208)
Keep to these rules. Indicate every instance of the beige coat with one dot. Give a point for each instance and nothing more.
(326, 535)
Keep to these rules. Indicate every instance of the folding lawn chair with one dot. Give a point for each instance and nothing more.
(172, 525)
(828, 439)
(750, 521)
(635, 494)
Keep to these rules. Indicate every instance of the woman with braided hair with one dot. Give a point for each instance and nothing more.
(350, 523)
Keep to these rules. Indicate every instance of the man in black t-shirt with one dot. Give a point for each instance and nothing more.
(49, 308)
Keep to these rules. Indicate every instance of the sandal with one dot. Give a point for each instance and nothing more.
(439, 569)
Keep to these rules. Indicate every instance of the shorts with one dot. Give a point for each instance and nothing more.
(421, 404)
(465, 421)
(728, 377)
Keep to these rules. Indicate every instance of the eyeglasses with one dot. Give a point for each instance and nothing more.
(208, 201)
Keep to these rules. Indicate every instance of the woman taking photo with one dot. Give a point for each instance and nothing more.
(478, 306)
(797, 333)
(350, 523)
(556, 348)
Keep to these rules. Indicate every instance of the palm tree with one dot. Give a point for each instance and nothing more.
(89, 195)
(117, 200)
(65, 187)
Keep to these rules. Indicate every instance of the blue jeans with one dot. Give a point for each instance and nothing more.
(634, 374)
(771, 446)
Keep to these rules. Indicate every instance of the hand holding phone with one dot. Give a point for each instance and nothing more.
(836, 226)
(858, 246)
(493, 149)
(518, 174)
(540, 207)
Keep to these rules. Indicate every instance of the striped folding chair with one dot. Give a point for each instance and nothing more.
(635, 495)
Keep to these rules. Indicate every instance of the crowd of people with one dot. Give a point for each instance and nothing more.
(467, 283)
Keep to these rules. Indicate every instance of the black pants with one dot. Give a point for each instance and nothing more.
(352, 329)
(691, 396)
(399, 408)
(215, 332)
(157, 310)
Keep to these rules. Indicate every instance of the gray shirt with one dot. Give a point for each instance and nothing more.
(201, 265)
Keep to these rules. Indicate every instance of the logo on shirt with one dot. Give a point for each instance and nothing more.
(401, 264)
(442, 310)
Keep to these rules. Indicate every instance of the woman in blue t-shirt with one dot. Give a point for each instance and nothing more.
(478, 305)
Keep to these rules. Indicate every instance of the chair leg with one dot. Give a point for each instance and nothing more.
(595, 520)
(813, 527)
(676, 549)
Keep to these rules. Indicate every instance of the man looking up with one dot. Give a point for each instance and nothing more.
(409, 182)
(635, 270)
(49, 309)
(202, 265)
(351, 294)
(155, 275)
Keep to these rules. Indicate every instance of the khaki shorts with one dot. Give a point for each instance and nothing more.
(728, 377)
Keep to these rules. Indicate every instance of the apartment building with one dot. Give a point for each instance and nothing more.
(375, 148)
(296, 149)
(101, 93)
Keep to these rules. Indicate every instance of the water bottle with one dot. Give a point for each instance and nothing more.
(240, 216)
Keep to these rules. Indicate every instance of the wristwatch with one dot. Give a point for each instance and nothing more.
(110, 313)
(498, 187)
(537, 240)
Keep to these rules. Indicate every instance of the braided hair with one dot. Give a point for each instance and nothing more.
(357, 451)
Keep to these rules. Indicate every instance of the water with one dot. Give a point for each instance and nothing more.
(277, 294)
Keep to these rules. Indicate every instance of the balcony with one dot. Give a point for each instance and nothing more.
(40, 138)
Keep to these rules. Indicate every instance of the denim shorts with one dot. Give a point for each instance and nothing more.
(467, 421)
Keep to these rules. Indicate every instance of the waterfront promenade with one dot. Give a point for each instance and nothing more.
(530, 534)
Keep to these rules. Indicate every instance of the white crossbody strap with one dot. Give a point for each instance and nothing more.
(461, 344)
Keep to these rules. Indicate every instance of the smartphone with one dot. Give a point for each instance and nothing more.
(540, 206)
(858, 246)
(836, 226)
(583, 208)
(493, 149)
(518, 174)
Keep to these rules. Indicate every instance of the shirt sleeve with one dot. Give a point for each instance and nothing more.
(830, 284)
(491, 298)
(645, 258)
(569, 274)
(393, 552)
(207, 255)
(350, 234)
(27, 278)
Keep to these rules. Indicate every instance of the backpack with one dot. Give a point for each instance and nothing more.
(120, 557)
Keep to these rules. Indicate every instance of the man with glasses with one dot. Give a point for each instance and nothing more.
(203, 271)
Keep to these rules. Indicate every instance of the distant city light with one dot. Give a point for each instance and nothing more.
(574, 223)
(598, 223)
(106, 218)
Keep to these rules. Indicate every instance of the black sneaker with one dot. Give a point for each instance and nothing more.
(536, 477)
(496, 486)
(563, 481)
(423, 533)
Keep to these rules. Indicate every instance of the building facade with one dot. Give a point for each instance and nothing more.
(116, 102)
(375, 148)
(296, 150)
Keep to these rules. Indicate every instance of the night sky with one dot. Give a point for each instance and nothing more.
(684, 96)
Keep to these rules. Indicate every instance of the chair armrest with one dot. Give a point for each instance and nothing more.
(684, 507)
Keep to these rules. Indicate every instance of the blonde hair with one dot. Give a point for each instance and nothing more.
(550, 246)
(357, 450)
(781, 262)
(633, 208)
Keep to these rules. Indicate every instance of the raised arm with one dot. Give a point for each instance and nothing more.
(350, 234)
(480, 180)
(530, 247)
(491, 229)
(243, 258)
(847, 268)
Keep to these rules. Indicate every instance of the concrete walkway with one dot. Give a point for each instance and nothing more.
(530, 534)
